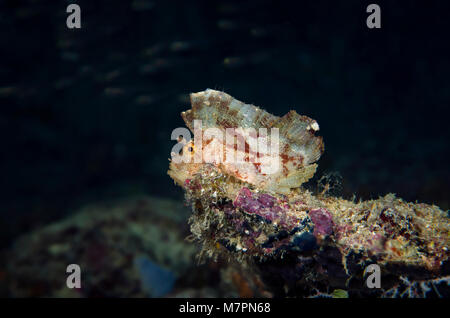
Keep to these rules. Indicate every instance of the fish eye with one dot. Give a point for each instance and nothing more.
(191, 149)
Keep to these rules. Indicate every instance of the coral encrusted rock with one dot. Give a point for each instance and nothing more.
(300, 243)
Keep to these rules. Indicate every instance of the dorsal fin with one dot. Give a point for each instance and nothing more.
(297, 133)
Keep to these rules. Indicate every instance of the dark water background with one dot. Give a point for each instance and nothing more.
(86, 115)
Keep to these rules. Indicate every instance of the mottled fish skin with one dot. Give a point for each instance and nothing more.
(299, 147)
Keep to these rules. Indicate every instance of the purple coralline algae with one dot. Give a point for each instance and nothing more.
(323, 221)
(267, 207)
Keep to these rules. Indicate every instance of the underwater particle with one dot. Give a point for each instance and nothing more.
(227, 25)
(258, 32)
(156, 280)
(234, 61)
(157, 65)
(113, 91)
(8, 90)
(69, 56)
(180, 46)
(142, 5)
(144, 100)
